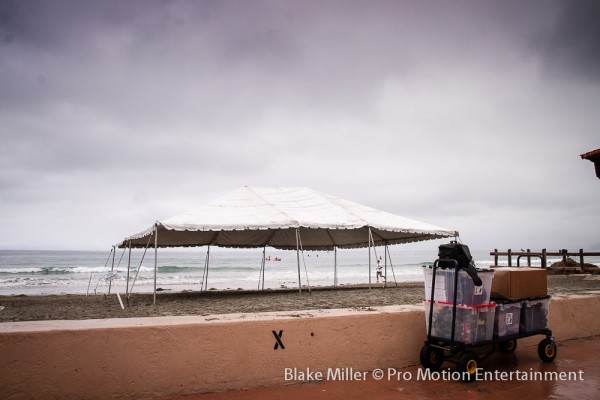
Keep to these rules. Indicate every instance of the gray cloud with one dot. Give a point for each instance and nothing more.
(571, 46)
(468, 114)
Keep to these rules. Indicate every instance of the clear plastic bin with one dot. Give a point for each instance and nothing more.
(468, 294)
(507, 319)
(534, 314)
(473, 324)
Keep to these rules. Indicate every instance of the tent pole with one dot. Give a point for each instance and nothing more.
(128, 268)
(370, 237)
(261, 273)
(304, 263)
(155, 258)
(112, 268)
(298, 260)
(203, 273)
(207, 263)
(392, 266)
(264, 265)
(334, 266)
(385, 255)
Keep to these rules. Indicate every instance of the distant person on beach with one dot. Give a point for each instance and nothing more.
(379, 270)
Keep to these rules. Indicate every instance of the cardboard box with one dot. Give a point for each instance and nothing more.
(519, 283)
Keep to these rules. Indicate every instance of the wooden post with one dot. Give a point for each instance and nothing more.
(509, 257)
(528, 257)
(495, 256)
(544, 262)
(581, 260)
(564, 257)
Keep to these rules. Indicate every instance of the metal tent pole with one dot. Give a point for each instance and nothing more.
(334, 266)
(385, 255)
(203, 272)
(298, 260)
(207, 263)
(128, 268)
(263, 267)
(304, 263)
(112, 269)
(392, 267)
(155, 259)
(370, 237)
(261, 273)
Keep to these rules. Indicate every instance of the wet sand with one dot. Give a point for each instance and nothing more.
(76, 307)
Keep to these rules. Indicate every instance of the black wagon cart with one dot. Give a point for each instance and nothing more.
(464, 327)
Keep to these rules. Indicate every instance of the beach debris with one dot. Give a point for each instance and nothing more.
(120, 301)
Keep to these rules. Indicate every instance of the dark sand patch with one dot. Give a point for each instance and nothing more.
(75, 307)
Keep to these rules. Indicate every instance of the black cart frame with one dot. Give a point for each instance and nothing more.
(436, 350)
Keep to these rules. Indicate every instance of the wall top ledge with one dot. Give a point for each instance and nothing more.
(158, 322)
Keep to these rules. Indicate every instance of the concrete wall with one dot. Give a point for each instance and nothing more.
(154, 357)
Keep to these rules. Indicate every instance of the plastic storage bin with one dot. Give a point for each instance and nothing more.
(468, 294)
(443, 284)
(534, 314)
(507, 319)
(473, 324)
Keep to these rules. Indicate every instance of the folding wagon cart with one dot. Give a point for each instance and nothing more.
(461, 330)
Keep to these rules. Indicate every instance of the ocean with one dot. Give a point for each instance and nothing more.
(81, 272)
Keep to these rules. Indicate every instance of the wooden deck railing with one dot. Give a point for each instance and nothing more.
(542, 255)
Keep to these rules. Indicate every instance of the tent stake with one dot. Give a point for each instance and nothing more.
(298, 260)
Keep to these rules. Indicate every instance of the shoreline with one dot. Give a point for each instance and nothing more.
(169, 303)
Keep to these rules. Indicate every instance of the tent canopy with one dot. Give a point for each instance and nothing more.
(258, 217)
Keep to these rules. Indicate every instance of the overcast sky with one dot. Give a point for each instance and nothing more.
(469, 115)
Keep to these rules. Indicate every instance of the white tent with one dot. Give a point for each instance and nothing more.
(257, 217)
(284, 218)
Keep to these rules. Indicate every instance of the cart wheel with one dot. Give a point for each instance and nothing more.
(547, 350)
(431, 357)
(467, 365)
(508, 347)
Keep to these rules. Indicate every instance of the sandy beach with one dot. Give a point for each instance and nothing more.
(73, 307)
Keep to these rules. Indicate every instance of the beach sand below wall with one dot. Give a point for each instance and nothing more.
(77, 307)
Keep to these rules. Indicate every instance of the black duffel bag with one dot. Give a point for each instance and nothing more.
(461, 254)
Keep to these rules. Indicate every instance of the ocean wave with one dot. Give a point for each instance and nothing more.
(50, 270)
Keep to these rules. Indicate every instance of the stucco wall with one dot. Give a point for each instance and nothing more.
(153, 357)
